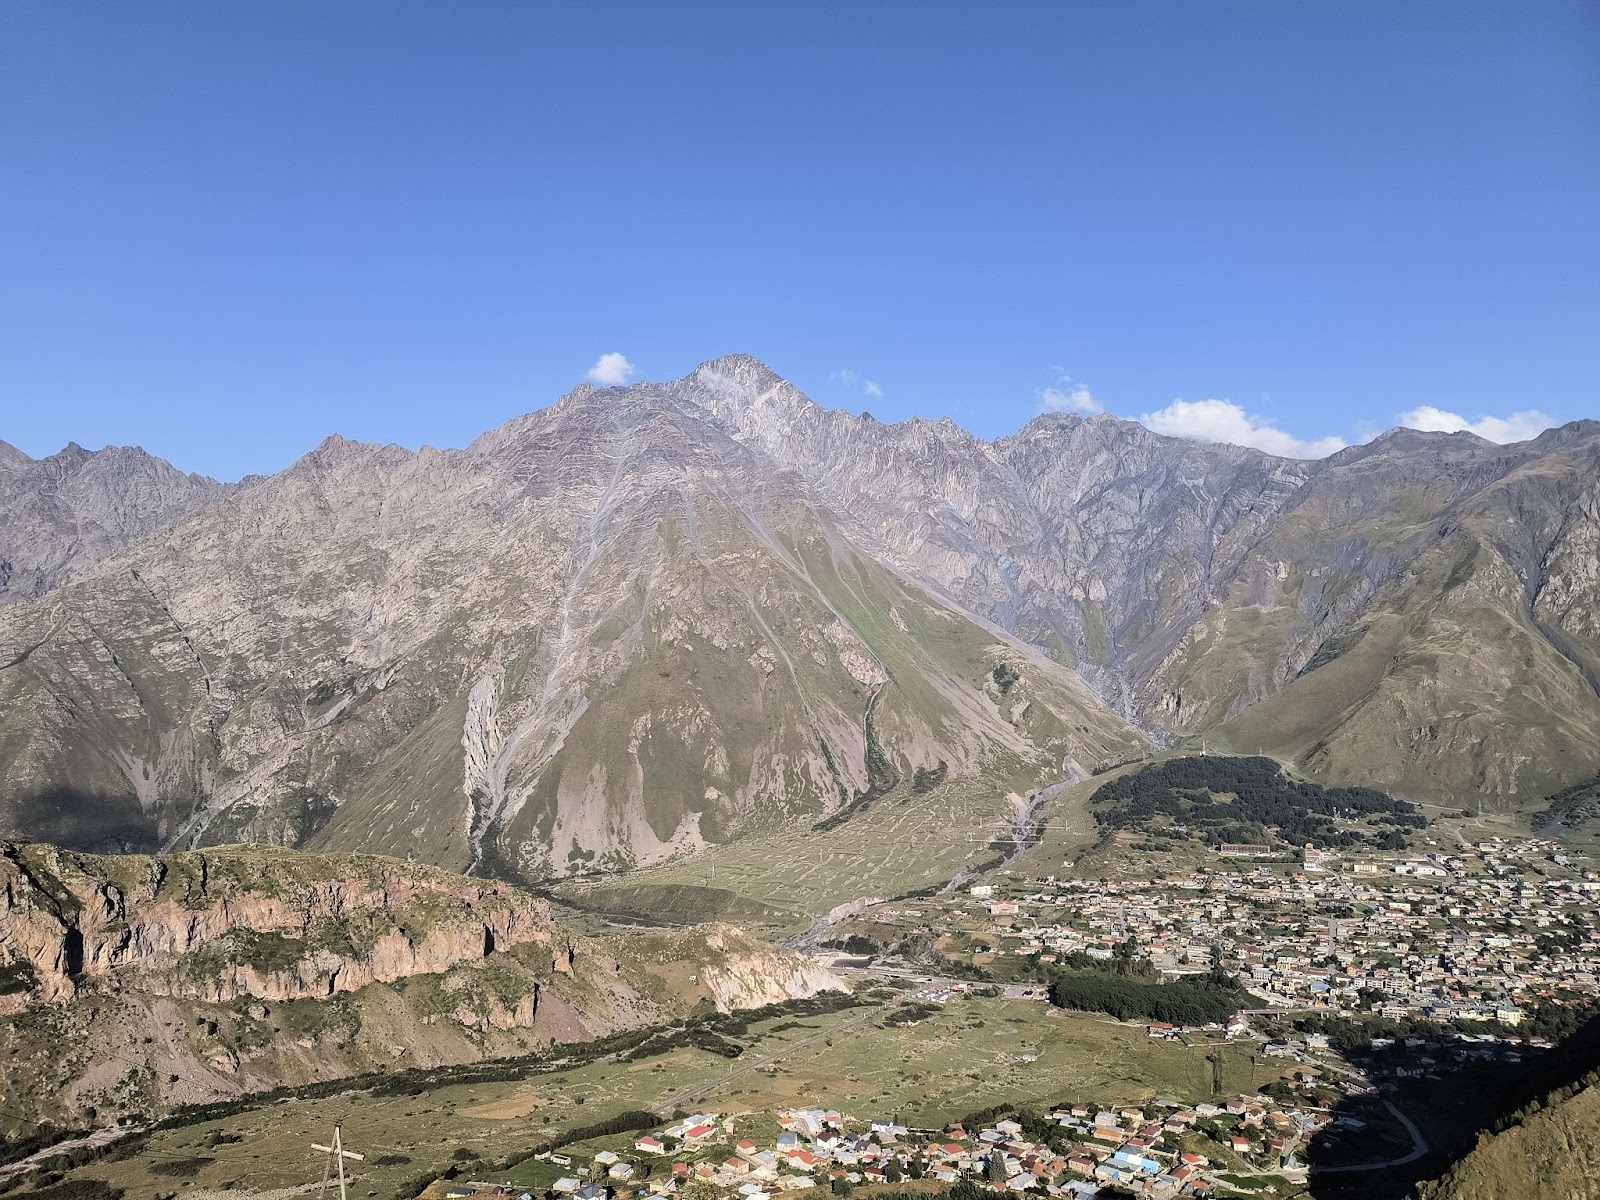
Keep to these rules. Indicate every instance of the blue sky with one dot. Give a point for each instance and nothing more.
(227, 230)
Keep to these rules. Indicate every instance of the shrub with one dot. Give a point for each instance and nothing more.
(181, 1168)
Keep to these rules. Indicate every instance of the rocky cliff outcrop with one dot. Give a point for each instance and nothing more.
(132, 983)
(725, 965)
(219, 926)
(745, 974)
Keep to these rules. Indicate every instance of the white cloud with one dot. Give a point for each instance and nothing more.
(1225, 421)
(1518, 427)
(848, 378)
(1066, 396)
(612, 370)
(1073, 398)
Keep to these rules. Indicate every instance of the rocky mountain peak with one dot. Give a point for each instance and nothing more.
(72, 452)
(61, 514)
(12, 459)
(1571, 432)
(747, 372)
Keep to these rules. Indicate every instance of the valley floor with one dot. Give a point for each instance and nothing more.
(968, 1056)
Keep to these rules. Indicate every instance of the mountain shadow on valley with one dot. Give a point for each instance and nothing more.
(1457, 1093)
(90, 822)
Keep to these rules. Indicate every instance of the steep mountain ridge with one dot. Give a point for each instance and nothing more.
(61, 514)
(650, 619)
(1190, 582)
(601, 635)
(1548, 1154)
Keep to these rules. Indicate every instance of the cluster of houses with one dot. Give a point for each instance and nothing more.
(1470, 936)
(1156, 1148)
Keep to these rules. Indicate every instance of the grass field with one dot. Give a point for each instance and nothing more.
(900, 843)
(967, 1056)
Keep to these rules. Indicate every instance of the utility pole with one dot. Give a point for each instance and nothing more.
(336, 1154)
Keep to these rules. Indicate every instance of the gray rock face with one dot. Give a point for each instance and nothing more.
(606, 633)
(1189, 582)
(62, 514)
(649, 618)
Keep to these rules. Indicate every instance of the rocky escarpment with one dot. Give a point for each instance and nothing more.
(218, 926)
(130, 984)
(749, 975)
(725, 965)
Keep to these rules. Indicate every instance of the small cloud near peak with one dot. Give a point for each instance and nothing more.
(1518, 427)
(1065, 395)
(1225, 421)
(851, 379)
(1076, 399)
(611, 370)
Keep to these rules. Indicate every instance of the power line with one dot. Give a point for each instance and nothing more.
(336, 1154)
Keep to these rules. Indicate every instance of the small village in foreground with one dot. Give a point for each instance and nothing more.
(1155, 1148)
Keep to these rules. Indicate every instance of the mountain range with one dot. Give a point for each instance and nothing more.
(651, 619)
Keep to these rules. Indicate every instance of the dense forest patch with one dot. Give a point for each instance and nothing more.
(1251, 800)
(1575, 808)
(1202, 1000)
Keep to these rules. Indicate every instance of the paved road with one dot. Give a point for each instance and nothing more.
(1419, 1147)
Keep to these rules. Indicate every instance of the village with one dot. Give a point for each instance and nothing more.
(1161, 1149)
(1479, 935)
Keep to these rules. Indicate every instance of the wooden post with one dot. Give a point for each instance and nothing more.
(336, 1154)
